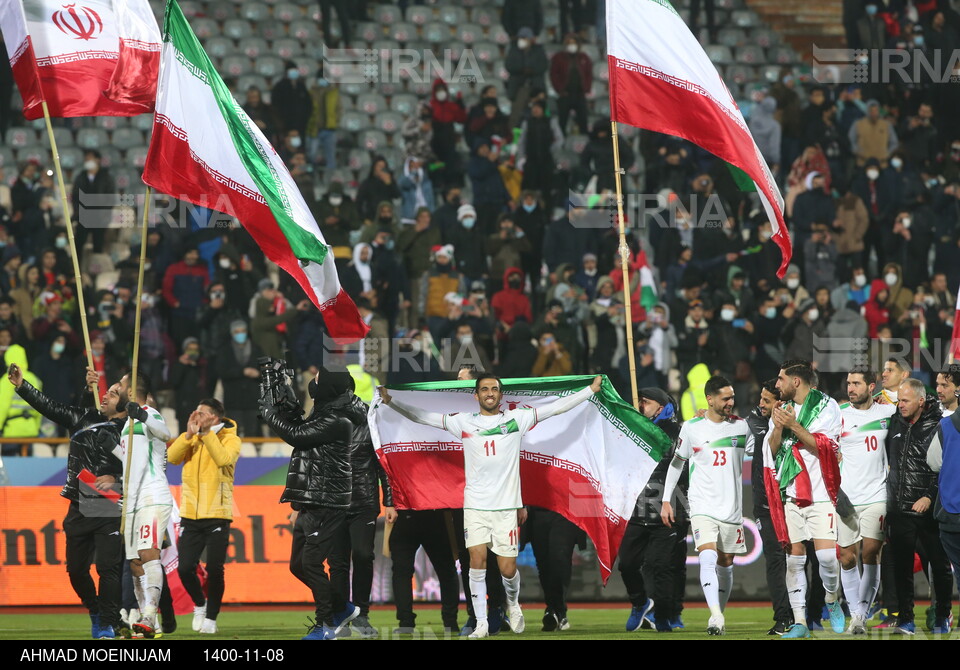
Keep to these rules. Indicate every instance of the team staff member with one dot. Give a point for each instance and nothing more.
(93, 521)
(209, 450)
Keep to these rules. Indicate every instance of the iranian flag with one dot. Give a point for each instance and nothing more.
(207, 151)
(588, 464)
(661, 80)
(85, 58)
(648, 287)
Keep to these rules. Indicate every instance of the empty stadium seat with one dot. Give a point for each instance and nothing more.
(371, 103)
(782, 55)
(137, 156)
(218, 47)
(354, 121)
(469, 33)
(369, 32)
(730, 37)
(740, 73)
(601, 71)
(750, 54)
(237, 29)
(110, 157)
(245, 82)
(419, 14)
(248, 450)
(387, 15)
(272, 30)
(235, 65)
(359, 160)
(34, 152)
(744, 18)
(142, 122)
(7, 159)
(91, 138)
(576, 143)
(191, 9)
(372, 140)
(205, 28)
(125, 138)
(288, 12)
(764, 37)
(306, 31)
(394, 157)
(436, 32)
(287, 48)
(21, 137)
(770, 73)
(254, 47)
(405, 103)
(127, 179)
(389, 122)
(485, 16)
(254, 11)
(486, 52)
(498, 34)
(220, 11)
(403, 31)
(269, 66)
(719, 53)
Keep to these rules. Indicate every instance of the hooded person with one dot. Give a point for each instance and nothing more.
(875, 310)
(608, 318)
(18, 418)
(445, 112)
(337, 215)
(436, 283)
(416, 189)
(765, 128)
(357, 277)
(900, 297)
(510, 303)
(470, 243)
(694, 399)
(798, 292)
(663, 339)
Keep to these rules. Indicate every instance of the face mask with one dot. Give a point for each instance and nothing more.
(571, 48)
(813, 314)
(293, 73)
(591, 273)
(336, 200)
(61, 242)
(727, 314)
(918, 40)
(928, 300)
(441, 95)
(386, 220)
(529, 208)
(932, 183)
(873, 174)
(860, 280)
(58, 347)
(390, 245)
(225, 263)
(765, 235)
(897, 163)
(193, 355)
(523, 44)
(469, 222)
(793, 283)
(771, 313)
(890, 278)
(295, 142)
(514, 283)
(240, 338)
(907, 222)
(871, 10)
(466, 339)
(89, 166)
(415, 346)
(322, 82)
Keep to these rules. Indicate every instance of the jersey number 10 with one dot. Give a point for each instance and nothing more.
(871, 442)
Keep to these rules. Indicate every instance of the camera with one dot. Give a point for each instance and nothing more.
(275, 390)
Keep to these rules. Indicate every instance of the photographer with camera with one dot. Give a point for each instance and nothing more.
(319, 481)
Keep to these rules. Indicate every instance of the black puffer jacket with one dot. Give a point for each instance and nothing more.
(319, 474)
(93, 438)
(368, 475)
(647, 510)
(759, 425)
(910, 478)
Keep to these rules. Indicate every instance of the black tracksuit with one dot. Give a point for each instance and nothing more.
(553, 538)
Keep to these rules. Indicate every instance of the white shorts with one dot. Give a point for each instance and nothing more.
(145, 528)
(866, 522)
(496, 529)
(815, 522)
(727, 536)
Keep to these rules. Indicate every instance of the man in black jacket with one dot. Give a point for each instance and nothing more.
(652, 556)
(319, 487)
(92, 523)
(356, 536)
(911, 489)
(775, 559)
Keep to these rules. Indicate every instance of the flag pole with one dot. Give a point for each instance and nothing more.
(136, 353)
(624, 266)
(67, 219)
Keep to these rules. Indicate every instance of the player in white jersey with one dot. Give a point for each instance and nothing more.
(715, 446)
(894, 372)
(807, 429)
(864, 480)
(149, 501)
(492, 504)
(948, 387)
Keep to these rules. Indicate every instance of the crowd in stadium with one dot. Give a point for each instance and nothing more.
(457, 237)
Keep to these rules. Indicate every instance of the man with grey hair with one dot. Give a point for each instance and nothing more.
(911, 489)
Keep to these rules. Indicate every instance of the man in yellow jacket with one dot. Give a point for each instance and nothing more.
(209, 450)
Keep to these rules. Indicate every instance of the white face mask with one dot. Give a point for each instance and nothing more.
(466, 339)
(225, 263)
(441, 95)
(415, 346)
(727, 314)
(590, 273)
(906, 221)
(873, 174)
(793, 283)
(813, 314)
(765, 235)
(890, 278)
(336, 200)
(295, 142)
(90, 165)
(523, 43)
(860, 280)
(897, 163)
(571, 48)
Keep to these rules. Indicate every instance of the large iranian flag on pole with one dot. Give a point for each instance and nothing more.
(662, 80)
(73, 55)
(207, 151)
(588, 464)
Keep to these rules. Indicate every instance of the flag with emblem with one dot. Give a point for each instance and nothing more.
(84, 58)
(589, 464)
(206, 150)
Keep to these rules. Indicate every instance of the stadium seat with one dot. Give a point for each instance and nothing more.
(740, 73)
(601, 71)
(245, 82)
(389, 122)
(127, 179)
(305, 31)
(750, 54)
(369, 32)
(254, 47)
(485, 16)
(237, 29)
(254, 11)
(191, 9)
(452, 15)
(205, 28)
(92, 138)
(110, 157)
(42, 450)
(354, 121)
(387, 15)
(486, 52)
(111, 122)
(271, 30)
(404, 103)
(394, 157)
(287, 48)
(371, 103)
(269, 66)
(125, 138)
(137, 156)
(38, 153)
(744, 18)
(469, 33)
(247, 450)
(355, 88)
(551, 20)
(436, 32)
(403, 32)
(498, 34)
(576, 143)
(288, 12)
(235, 65)
(372, 140)
(419, 14)
(764, 37)
(218, 47)
(731, 37)
(345, 176)
(63, 136)
(718, 53)
(601, 106)
(7, 160)
(359, 160)
(782, 55)
(220, 11)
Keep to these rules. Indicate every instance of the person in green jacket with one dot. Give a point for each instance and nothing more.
(17, 417)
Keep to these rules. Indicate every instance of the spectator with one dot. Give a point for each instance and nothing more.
(737, 291)
(873, 137)
(900, 297)
(526, 63)
(271, 316)
(17, 416)
(765, 128)
(184, 286)
(389, 278)
(322, 126)
(237, 368)
(820, 257)
(571, 75)
(414, 363)
(485, 120)
(469, 245)
(343, 8)
(849, 228)
(856, 289)
(377, 188)
(489, 194)
(446, 113)
(729, 347)
(800, 331)
(608, 315)
(436, 284)
(920, 140)
(51, 323)
(236, 275)
(416, 190)
(875, 310)
(188, 379)
(445, 216)
(552, 358)
(540, 138)
(532, 217)
(260, 112)
(465, 350)
(812, 160)
(519, 353)
(29, 287)
(798, 293)
(417, 134)
(849, 325)
(416, 244)
(871, 29)
(708, 6)
(25, 215)
(914, 239)
(375, 354)
(510, 303)
(566, 240)
(784, 91)
(663, 340)
(507, 246)
(93, 214)
(597, 157)
(811, 118)
(587, 276)
(519, 13)
(12, 259)
(768, 326)
(292, 102)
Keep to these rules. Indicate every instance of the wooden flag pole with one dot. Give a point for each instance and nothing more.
(73, 247)
(625, 267)
(132, 392)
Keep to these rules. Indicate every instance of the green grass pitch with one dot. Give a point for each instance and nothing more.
(742, 623)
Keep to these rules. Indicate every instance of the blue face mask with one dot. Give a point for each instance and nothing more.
(322, 82)
(469, 222)
(240, 338)
(771, 313)
(529, 208)
(390, 245)
(293, 74)
(871, 10)
(918, 40)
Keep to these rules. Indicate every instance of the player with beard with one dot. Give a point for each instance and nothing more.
(948, 384)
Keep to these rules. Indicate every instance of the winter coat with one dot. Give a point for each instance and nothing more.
(526, 67)
(562, 64)
(368, 475)
(845, 324)
(416, 190)
(766, 130)
(875, 312)
(854, 222)
(694, 398)
(900, 298)
(510, 303)
(909, 477)
(17, 417)
(209, 464)
(647, 510)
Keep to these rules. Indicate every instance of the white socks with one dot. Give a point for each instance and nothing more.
(138, 592)
(829, 573)
(851, 588)
(478, 592)
(797, 588)
(710, 581)
(512, 586)
(152, 584)
(869, 584)
(725, 581)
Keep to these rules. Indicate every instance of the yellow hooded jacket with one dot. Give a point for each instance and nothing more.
(209, 462)
(693, 398)
(17, 417)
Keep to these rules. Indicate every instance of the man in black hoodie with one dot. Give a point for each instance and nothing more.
(652, 556)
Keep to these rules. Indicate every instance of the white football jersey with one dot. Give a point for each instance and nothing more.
(715, 452)
(829, 423)
(148, 463)
(863, 470)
